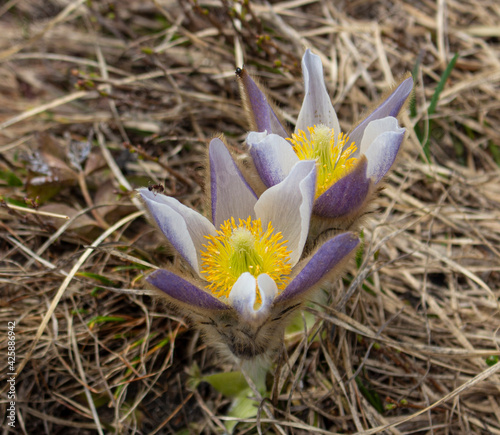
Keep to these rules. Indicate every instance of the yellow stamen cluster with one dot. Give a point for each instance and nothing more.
(244, 248)
(333, 157)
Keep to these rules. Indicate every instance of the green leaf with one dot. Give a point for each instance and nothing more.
(17, 202)
(370, 395)
(97, 277)
(495, 152)
(104, 319)
(141, 340)
(79, 311)
(361, 250)
(134, 266)
(11, 179)
(297, 323)
(230, 384)
(492, 360)
(441, 84)
(434, 101)
(242, 407)
(95, 291)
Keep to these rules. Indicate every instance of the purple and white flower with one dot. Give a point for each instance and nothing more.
(247, 272)
(349, 166)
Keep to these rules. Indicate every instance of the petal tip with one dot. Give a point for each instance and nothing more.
(180, 291)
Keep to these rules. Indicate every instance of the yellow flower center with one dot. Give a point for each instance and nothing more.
(244, 248)
(333, 160)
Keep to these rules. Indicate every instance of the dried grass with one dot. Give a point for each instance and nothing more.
(413, 331)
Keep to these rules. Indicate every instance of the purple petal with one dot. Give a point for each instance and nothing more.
(329, 255)
(317, 107)
(382, 153)
(263, 114)
(346, 195)
(272, 155)
(183, 291)
(184, 228)
(231, 194)
(389, 107)
(288, 205)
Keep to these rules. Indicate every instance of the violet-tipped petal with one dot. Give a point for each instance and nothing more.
(272, 155)
(288, 206)
(375, 128)
(317, 107)
(389, 107)
(262, 112)
(347, 195)
(231, 194)
(183, 291)
(382, 153)
(330, 254)
(184, 228)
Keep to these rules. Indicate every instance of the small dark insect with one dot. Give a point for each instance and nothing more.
(238, 71)
(156, 188)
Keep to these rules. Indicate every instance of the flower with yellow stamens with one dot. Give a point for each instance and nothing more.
(334, 157)
(349, 166)
(245, 281)
(241, 248)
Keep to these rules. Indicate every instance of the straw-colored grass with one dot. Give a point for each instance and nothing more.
(410, 341)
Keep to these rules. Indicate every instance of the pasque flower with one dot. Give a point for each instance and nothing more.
(246, 273)
(350, 166)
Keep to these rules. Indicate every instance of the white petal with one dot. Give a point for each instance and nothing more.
(317, 107)
(288, 206)
(231, 195)
(375, 128)
(268, 291)
(272, 155)
(382, 153)
(184, 228)
(244, 294)
(256, 137)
